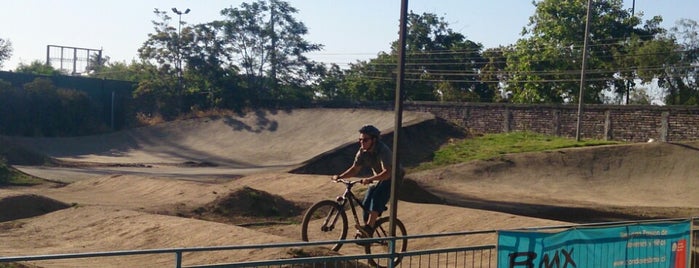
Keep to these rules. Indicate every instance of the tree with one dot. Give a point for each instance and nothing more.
(371, 80)
(441, 64)
(37, 68)
(267, 43)
(5, 50)
(163, 46)
(212, 77)
(443, 60)
(493, 75)
(135, 71)
(96, 62)
(545, 65)
(681, 77)
(163, 50)
(329, 87)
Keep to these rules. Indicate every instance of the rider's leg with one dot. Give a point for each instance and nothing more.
(367, 202)
(373, 215)
(377, 205)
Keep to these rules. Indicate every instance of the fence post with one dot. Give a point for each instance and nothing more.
(178, 259)
(664, 125)
(608, 125)
(507, 123)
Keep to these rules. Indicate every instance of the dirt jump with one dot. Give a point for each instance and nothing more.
(208, 181)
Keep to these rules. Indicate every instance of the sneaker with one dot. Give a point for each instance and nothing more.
(359, 235)
(365, 231)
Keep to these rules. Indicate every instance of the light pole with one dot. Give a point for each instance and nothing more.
(178, 54)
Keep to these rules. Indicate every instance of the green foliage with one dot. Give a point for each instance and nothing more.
(41, 109)
(255, 53)
(5, 174)
(17, 155)
(493, 72)
(681, 79)
(5, 50)
(163, 90)
(269, 41)
(330, 87)
(10, 176)
(441, 64)
(134, 71)
(37, 68)
(494, 145)
(545, 66)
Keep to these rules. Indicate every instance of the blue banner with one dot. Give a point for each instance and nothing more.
(663, 244)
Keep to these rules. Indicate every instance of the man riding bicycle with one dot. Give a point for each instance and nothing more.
(378, 156)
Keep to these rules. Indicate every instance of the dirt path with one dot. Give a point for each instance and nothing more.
(151, 206)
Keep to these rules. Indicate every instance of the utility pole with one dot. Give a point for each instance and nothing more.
(398, 125)
(582, 72)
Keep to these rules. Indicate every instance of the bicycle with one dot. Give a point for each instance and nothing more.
(320, 223)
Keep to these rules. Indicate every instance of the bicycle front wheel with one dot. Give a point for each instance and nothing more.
(325, 221)
(382, 230)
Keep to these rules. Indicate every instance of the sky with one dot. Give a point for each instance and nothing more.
(349, 30)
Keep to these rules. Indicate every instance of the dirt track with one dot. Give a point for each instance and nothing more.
(130, 207)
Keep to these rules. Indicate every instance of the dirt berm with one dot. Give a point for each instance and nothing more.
(418, 142)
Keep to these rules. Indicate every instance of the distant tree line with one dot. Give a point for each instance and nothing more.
(40, 109)
(257, 53)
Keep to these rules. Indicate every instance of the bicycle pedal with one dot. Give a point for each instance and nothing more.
(360, 243)
(364, 232)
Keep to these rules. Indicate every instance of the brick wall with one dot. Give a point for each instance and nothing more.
(611, 122)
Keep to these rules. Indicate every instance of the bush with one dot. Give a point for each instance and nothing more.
(40, 109)
(4, 173)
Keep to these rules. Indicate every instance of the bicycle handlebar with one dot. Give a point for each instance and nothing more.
(348, 182)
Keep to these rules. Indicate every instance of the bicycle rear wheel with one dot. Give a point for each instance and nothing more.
(325, 221)
(382, 230)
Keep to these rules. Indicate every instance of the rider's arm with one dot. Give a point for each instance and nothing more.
(383, 175)
(385, 157)
(350, 172)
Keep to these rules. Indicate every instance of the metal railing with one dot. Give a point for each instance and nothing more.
(484, 255)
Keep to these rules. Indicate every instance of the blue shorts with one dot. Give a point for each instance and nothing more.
(376, 198)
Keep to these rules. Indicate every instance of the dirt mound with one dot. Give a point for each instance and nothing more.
(411, 191)
(247, 206)
(99, 228)
(15, 154)
(19, 206)
(605, 183)
(308, 252)
(418, 142)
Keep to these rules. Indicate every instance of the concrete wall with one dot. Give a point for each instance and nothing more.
(610, 122)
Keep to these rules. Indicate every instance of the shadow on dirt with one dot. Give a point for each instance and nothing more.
(417, 144)
(573, 214)
(27, 205)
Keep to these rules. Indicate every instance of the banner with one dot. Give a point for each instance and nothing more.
(661, 244)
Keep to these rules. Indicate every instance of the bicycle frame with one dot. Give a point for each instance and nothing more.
(348, 196)
(335, 223)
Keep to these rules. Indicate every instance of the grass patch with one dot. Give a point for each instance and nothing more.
(493, 145)
(11, 176)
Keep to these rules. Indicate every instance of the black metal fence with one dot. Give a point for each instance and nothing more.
(458, 256)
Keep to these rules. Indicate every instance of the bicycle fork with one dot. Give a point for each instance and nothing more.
(332, 218)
